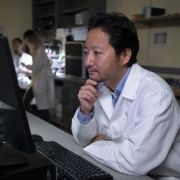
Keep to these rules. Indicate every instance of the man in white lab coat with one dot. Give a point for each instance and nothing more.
(129, 119)
(21, 57)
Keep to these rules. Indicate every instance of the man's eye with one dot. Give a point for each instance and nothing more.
(97, 53)
(85, 52)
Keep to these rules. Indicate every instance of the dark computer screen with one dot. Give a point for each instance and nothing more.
(14, 128)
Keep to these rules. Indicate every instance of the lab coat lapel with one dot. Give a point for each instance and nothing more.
(129, 91)
(105, 99)
(131, 86)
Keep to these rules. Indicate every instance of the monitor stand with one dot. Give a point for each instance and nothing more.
(11, 157)
(18, 165)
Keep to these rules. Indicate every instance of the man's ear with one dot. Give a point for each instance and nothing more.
(126, 55)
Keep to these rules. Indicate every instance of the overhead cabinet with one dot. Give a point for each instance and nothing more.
(50, 14)
(44, 14)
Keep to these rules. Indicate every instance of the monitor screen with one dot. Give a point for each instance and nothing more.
(14, 127)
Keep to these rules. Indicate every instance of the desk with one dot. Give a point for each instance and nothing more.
(51, 133)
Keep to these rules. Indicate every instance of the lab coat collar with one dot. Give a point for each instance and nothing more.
(129, 91)
(105, 99)
(131, 86)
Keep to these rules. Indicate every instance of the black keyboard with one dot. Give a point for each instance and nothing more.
(69, 164)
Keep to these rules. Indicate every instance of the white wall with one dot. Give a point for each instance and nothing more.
(15, 17)
(161, 56)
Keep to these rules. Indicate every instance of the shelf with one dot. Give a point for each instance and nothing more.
(74, 11)
(47, 16)
(45, 2)
(155, 19)
(44, 31)
(62, 12)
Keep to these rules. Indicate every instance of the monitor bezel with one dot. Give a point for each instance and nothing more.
(28, 142)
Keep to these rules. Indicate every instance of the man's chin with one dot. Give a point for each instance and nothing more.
(95, 79)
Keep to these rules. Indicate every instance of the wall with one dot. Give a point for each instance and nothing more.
(150, 55)
(15, 17)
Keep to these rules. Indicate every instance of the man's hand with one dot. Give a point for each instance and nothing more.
(27, 72)
(98, 138)
(88, 96)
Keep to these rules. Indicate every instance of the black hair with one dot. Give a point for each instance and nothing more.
(122, 32)
(17, 40)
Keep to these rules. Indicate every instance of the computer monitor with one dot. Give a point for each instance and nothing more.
(14, 127)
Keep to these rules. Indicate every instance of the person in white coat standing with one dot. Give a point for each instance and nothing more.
(128, 119)
(19, 56)
(42, 86)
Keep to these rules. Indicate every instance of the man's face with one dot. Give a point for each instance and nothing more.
(100, 58)
(17, 47)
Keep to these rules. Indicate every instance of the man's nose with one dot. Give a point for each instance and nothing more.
(89, 59)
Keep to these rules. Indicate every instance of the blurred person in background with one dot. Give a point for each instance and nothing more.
(42, 85)
(19, 56)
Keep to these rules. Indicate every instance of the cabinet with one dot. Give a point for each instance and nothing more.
(43, 14)
(70, 87)
(70, 102)
(68, 9)
(49, 14)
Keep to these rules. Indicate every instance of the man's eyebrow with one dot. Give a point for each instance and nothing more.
(94, 47)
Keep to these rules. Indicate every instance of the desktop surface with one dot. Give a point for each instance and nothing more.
(52, 133)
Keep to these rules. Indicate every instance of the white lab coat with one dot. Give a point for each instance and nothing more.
(23, 79)
(42, 80)
(141, 132)
(17, 60)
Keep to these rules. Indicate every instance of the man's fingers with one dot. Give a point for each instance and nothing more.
(90, 88)
(88, 94)
(91, 82)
